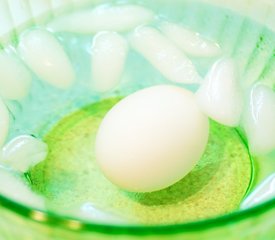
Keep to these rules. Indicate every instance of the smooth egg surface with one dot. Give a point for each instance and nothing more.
(152, 138)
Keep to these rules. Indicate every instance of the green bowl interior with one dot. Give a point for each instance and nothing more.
(250, 43)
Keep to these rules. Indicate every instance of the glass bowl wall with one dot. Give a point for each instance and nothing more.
(20, 222)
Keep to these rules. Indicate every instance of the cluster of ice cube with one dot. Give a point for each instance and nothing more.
(168, 47)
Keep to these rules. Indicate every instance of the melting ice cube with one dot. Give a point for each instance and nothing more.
(23, 152)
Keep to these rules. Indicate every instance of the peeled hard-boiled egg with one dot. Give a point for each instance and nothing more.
(151, 139)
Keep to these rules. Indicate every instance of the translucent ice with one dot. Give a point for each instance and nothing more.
(90, 212)
(15, 79)
(5, 20)
(264, 192)
(23, 152)
(220, 96)
(190, 42)
(20, 12)
(259, 119)
(164, 55)
(103, 18)
(15, 187)
(46, 57)
(4, 122)
(109, 52)
(39, 8)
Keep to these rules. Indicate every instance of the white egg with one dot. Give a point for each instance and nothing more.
(164, 55)
(152, 138)
(220, 95)
(103, 18)
(109, 49)
(192, 43)
(258, 120)
(47, 58)
(24, 152)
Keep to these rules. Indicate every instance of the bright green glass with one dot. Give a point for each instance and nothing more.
(252, 45)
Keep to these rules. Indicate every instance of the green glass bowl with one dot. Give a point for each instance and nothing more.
(238, 38)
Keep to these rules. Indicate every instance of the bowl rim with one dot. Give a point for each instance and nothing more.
(74, 224)
(50, 219)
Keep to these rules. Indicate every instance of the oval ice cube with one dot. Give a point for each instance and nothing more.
(7, 25)
(258, 120)
(220, 95)
(56, 4)
(39, 8)
(15, 187)
(20, 12)
(4, 122)
(23, 152)
(118, 18)
(90, 212)
(192, 43)
(264, 192)
(109, 52)
(15, 79)
(46, 57)
(164, 55)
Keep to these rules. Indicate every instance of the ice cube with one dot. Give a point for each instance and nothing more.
(220, 95)
(118, 18)
(109, 52)
(264, 192)
(192, 43)
(15, 79)
(4, 122)
(15, 187)
(24, 152)
(47, 58)
(258, 120)
(164, 55)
